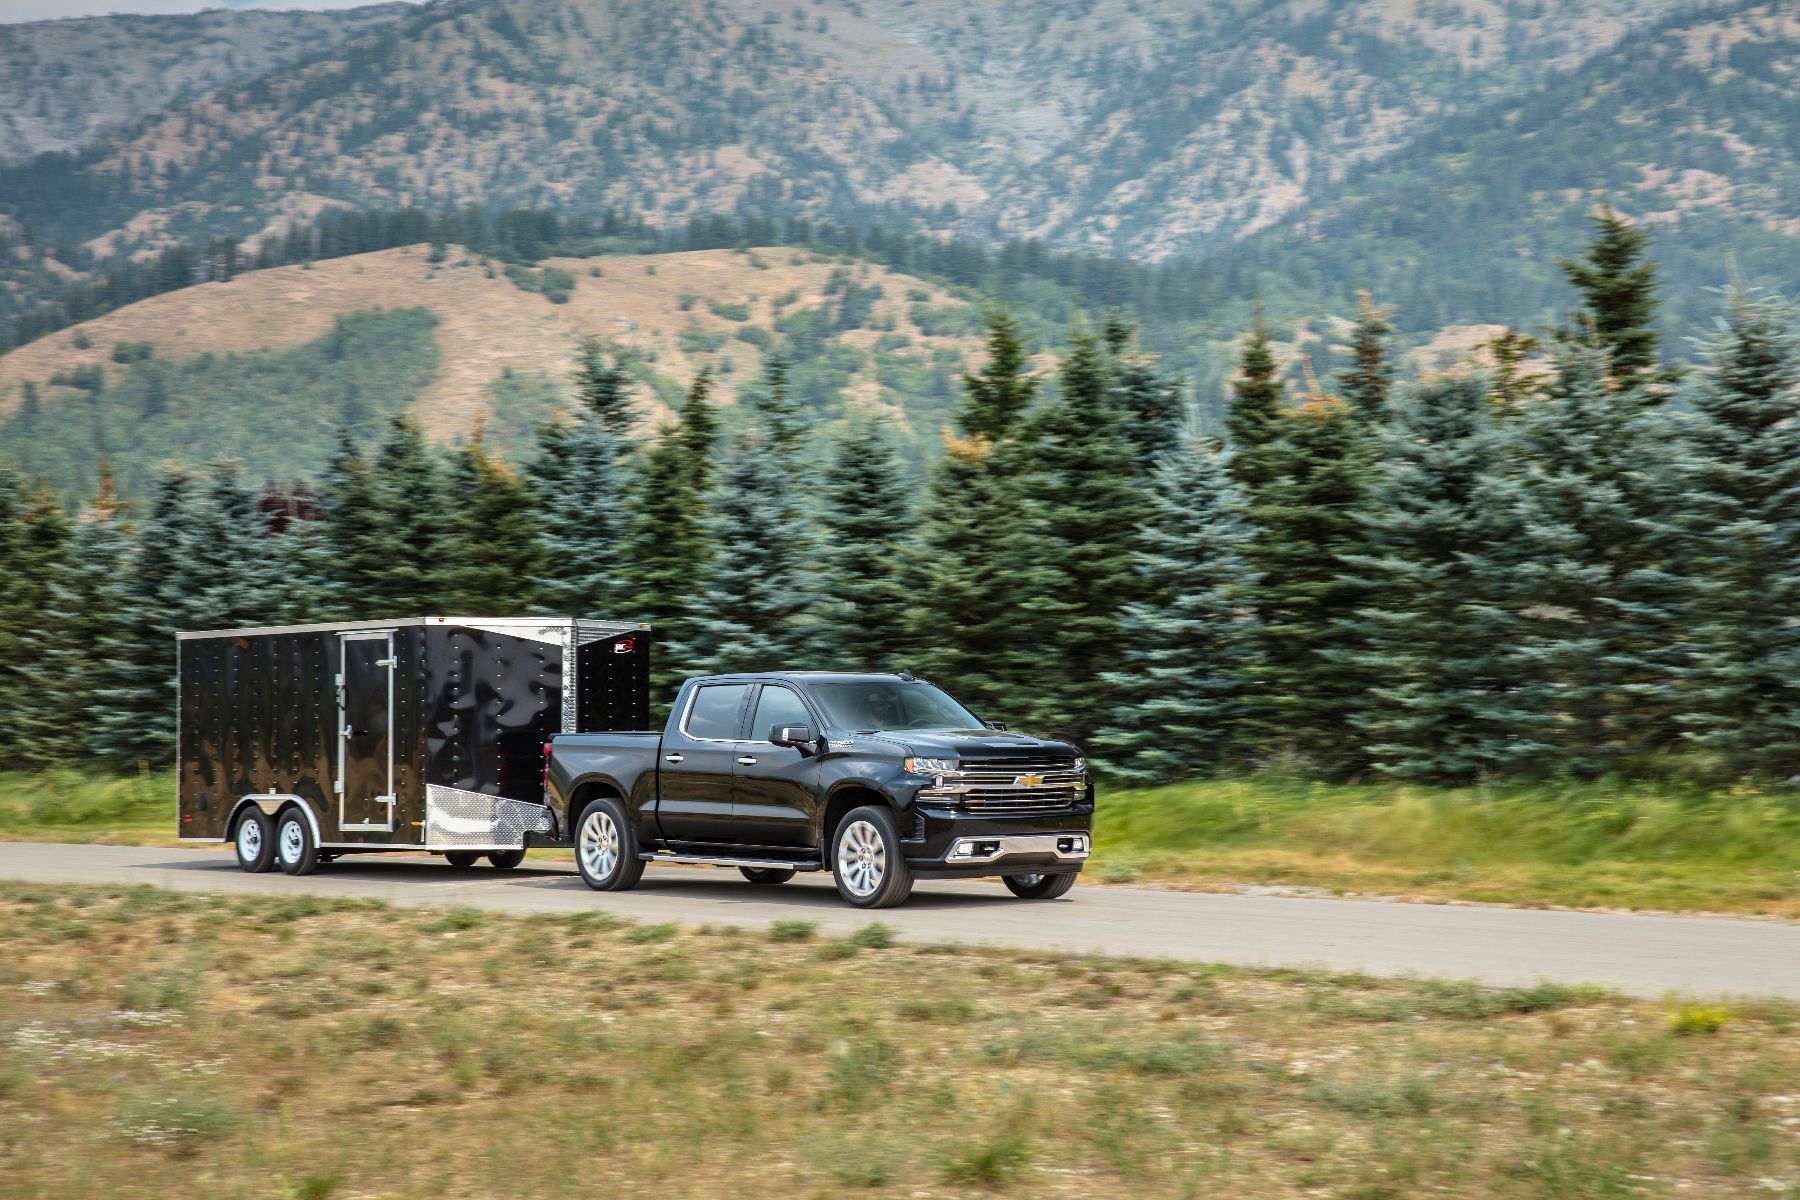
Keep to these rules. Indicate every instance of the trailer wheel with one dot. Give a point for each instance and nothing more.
(506, 860)
(255, 841)
(461, 858)
(867, 859)
(767, 876)
(1040, 887)
(295, 847)
(605, 852)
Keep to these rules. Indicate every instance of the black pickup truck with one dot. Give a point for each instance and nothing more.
(881, 779)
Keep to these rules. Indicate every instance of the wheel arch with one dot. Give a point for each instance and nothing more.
(273, 804)
(843, 799)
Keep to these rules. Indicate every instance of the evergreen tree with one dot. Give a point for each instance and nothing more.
(1185, 644)
(668, 546)
(967, 622)
(356, 550)
(1511, 387)
(1443, 701)
(580, 487)
(755, 606)
(1743, 509)
(1255, 416)
(1365, 386)
(221, 576)
(495, 557)
(1081, 511)
(866, 580)
(604, 388)
(136, 685)
(1596, 508)
(1618, 289)
(33, 536)
(411, 532)
(1305, 521)
(1148, 402)
(64, 671)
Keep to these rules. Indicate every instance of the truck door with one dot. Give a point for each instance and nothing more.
(693, 788)
(365, 781)
(777, 786)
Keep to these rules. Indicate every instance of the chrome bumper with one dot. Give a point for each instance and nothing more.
(1064, 847)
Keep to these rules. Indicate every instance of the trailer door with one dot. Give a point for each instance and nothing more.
(365, 780)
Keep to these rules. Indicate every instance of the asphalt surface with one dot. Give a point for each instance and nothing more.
(1639, 955)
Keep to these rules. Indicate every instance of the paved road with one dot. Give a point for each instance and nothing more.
(1642, 955)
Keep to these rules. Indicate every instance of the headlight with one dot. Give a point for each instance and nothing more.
(1081, 766)
(931, 766)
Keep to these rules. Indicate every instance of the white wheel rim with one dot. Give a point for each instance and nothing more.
(293, 841)
(599, 845)
(249, 839)
(862, 858)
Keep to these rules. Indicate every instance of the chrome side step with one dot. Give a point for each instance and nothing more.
(709, 860)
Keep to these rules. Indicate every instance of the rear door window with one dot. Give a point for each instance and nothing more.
(715, 711)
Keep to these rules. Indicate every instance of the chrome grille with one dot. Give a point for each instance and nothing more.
(992, 785)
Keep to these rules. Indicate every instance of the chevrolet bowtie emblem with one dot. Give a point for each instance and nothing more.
(1028, 781)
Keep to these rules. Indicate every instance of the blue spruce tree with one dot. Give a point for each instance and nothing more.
(865, 585)
(1185, 643)
(579, 482)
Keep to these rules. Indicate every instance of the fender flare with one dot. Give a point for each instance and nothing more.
(271, 804)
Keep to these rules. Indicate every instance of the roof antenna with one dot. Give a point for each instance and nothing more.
(906, 676)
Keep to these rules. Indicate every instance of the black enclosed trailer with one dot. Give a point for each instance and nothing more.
(307, 742)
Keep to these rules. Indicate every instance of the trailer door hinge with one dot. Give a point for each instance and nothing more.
(337, 785)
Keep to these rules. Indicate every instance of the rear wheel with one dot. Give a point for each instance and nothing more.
(1040, 887)
(461, 859)
(605, 852)
(866, 859)
(506, 860)
(255, 841)
(768, 876)
(295, 847)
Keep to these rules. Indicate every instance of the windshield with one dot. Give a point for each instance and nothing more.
(877, 704)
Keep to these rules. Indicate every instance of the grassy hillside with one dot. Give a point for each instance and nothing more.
(1606, 844)
(264, 368)
(164, 1044)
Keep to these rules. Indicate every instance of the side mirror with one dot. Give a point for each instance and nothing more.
(792, 735)
(996, 726)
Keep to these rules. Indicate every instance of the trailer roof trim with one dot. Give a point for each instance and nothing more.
(601, 627)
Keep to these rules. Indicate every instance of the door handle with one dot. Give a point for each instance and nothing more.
(746, 761)
(672, 758)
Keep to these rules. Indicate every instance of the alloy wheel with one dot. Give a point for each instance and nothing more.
(862, 858)
(599, 844)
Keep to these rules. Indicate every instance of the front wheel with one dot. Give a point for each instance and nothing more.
(295, 847)
(1040, 887)
(605, 852)
(866, 860)
(767, 876)
(255, 841)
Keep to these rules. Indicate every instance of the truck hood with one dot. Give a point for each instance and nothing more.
(975, 744)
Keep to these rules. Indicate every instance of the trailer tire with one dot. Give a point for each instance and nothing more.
(461, 859)
(1040, 887)
(295, 847)
(767, 876)
(506, 860)
(254, 838)
(867, 859)
(606, 853)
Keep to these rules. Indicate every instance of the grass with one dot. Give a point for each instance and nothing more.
(77, 806)
(1602, 845)
(159, 1044)
(1605, 844)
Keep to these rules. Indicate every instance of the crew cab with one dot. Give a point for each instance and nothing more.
(879, 779)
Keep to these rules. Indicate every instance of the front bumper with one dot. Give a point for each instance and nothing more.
(950, 844)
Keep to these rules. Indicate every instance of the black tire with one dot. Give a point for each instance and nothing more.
(867, 860)
(1040, 887)
(254, 838)
(767, 876)
(295, 847)
(506, 860)
(606, 853)
(462, 860)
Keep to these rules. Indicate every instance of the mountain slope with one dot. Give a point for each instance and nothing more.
(64, 84)
(1688, 126)
(1134, 126)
